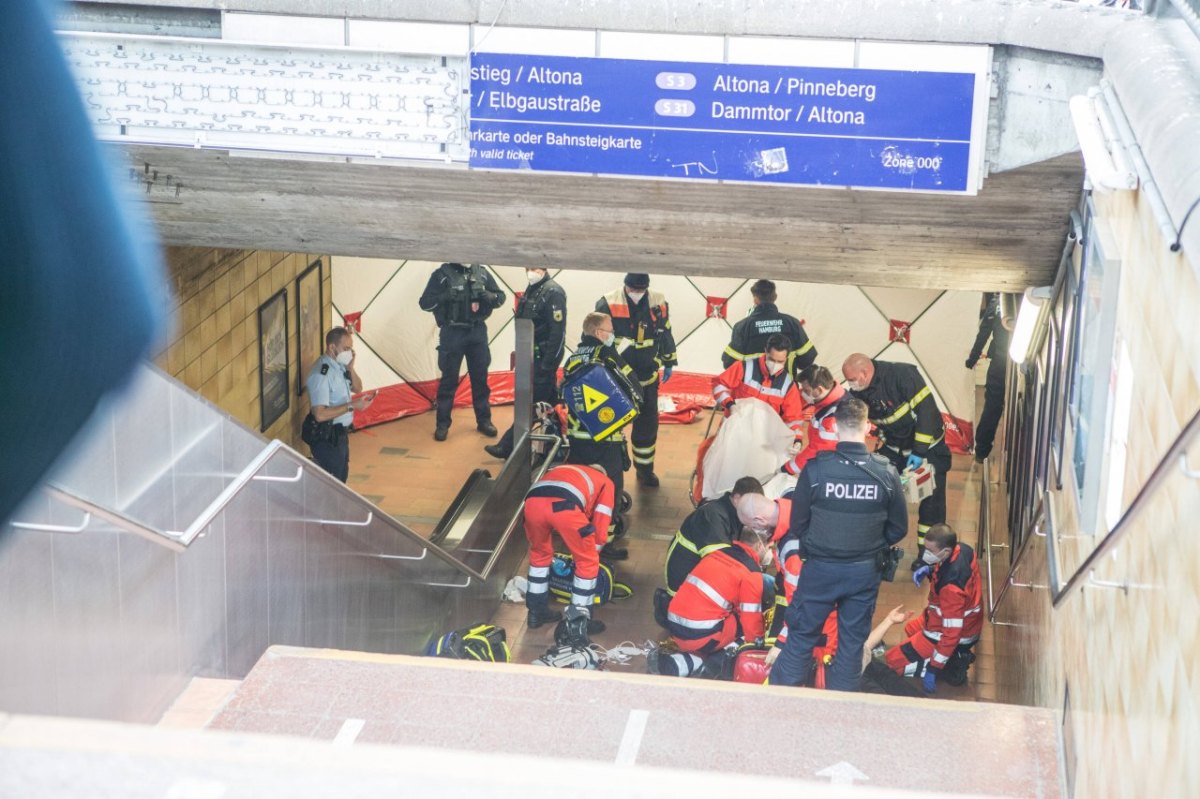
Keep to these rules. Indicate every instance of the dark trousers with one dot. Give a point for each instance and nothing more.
(334, 456)
(453, 345)
(610, 455)
(932, 509)
(851, 588)
(645, 429)
(993, 406)
(545, 389)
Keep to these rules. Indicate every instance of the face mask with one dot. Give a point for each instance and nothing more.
(635, 296)
(775, 367)
(534, 276)
(768, 558)
(855, 386)
(610, 340)
(345, 357)
(809, 398)
(930, 558)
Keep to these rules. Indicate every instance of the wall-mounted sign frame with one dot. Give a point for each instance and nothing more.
(274, 383)
(310, 304)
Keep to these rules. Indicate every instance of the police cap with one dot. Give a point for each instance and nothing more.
(637, 280)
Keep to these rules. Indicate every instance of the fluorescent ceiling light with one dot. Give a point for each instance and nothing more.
(1034, 307)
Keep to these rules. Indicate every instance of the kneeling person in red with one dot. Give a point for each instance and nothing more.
(576, 502)
(940, 639)
(720, 603)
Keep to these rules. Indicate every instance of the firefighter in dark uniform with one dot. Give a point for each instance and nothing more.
(461, 298)
(709, 527)
(903, 408)
(596, 346)
(750, 334)
(545, 304)
(642, 324)
(847, 509)
(991, 326)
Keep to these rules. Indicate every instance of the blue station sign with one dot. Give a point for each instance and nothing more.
(804, 125)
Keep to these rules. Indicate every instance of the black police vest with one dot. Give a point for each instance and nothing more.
(849, 503)
(457, 296)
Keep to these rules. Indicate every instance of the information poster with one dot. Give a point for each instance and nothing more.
(803, 125)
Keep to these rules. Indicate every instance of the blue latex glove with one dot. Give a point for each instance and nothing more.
(929, 681)
(914, 462)
(920, 574)
(667, 373)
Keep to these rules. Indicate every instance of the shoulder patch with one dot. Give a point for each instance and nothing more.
(324, 368)
(558, 315)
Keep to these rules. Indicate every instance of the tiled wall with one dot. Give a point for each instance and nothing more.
(1130, 659)
(214, 347)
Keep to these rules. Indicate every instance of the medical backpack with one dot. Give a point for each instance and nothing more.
(478, 642)
(562, 577)
(597, 400)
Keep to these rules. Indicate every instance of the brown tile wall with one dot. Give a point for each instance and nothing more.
(214, 346)
(1131, 659)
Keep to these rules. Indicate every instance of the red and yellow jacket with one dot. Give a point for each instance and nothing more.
(725, 582)
(822, 430)
(749, 378)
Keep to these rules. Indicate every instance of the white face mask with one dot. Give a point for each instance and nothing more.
(635, 296)
(775, 367)
(345, 357)
(930, 558)
(611, 339)
(855, 386)
(768, 558)
(534, 275)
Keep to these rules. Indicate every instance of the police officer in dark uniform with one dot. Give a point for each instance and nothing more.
(642, 324)
(847, 509)
(765, 320)
(596, 346)
(991, 326)
(330, 383)
(461, 298)
(545, 304)
(903, 408)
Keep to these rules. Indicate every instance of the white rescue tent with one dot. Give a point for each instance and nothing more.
(396, 346)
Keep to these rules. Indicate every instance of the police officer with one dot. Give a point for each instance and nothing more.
(461, 298)
(765, 320)
(903, 408)
(847, 509)
(545, 304)
(330, 383)
(596, 346)
(991, 326)
(641, 321)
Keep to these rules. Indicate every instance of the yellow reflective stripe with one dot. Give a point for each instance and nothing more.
(921, 438)
(808, 346)
(732, 353)
(685, 543)
(922, 394)
(711, 548)
(899, 414)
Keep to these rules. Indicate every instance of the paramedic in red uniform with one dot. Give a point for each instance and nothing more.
(576, 502)
(720, 603)
(940, 639)
(766, 378)
(821, 395)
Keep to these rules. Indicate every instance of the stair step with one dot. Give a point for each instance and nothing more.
(626, 718)
(199, 702)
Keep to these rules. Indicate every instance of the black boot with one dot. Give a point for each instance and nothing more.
(647, 477)
(539, 616)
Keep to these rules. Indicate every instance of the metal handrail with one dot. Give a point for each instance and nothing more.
(114, 518)
(1017, 563)
(1175, 458)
